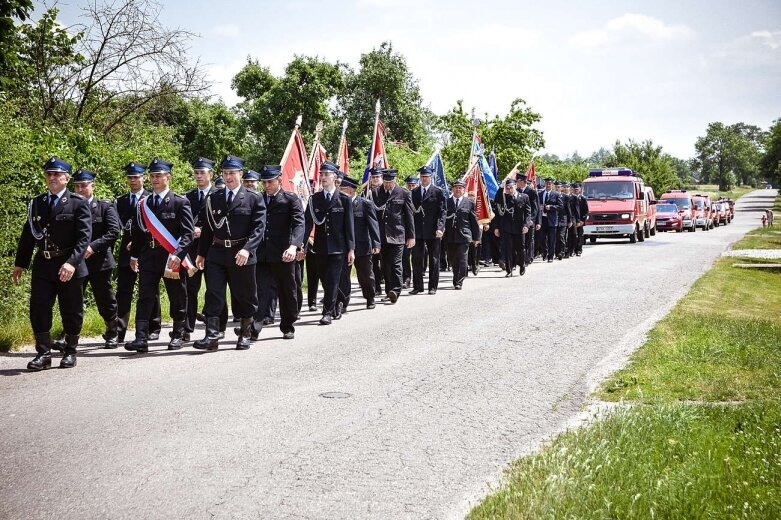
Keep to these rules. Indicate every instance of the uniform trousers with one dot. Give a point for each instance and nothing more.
(193, 290)
(329, 267)
(126, 282)
(457, 257)
(391, 266)
(240, 279)
(283, 274)
(513, 250)
(149, 294)
(103, 291)
(365, 272)
(70, 297)
(426, 253)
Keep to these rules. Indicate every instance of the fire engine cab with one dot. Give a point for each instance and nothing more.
(617, 205)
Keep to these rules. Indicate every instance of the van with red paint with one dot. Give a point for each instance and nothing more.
(683, 200)
(617, 204)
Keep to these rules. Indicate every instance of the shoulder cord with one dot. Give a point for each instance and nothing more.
(139, 216)
(37, 235)
(502, 208)
(312, 212)
(212, 221)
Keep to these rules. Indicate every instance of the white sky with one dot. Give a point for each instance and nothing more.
(597, 71)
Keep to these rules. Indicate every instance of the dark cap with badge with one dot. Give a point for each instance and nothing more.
(426, 171)
(231, 163)
(376, 172)
(202, 163)
(509, 181)
(270, 172)
(55, 164)
(389, 174)
(412, 180)
(160, 166)
(83, 176)
(575, 186)
(520, 177)
(458, 182)
(328, 167)
(134, 169)
(219, 183)
(251, 175)
(347, 182)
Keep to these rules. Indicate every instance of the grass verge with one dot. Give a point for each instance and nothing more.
(702, 437)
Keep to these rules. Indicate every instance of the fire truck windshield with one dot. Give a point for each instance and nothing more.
(609, 190)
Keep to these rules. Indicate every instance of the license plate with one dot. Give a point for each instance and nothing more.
(604, 228)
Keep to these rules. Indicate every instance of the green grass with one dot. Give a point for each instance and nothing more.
(712, 190)
(667, 461)
(701, 437)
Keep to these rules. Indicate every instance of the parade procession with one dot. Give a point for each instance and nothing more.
(258, 240)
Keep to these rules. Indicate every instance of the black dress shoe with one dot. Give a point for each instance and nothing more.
(186, 337)
(550, 260)
(141, 348)
(288, 335)
(111, 343)
(523, 271)
(40, 362)
(370, 304)
(176, 343)
(312, 308)
(432, 291)
(58, 345)
(508, 274)
(221, 334)
(268, 321)
(200, 317)
(68, 361)
(325, 320)
(393, 296)
(338, 310)
(154, 336)
(415, 291)
(405, 285)
(458, 287)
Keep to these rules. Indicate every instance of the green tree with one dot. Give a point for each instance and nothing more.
(770, 163)
(271, 105)
(11, 11)
(383, 75)
(729, 154)
(210, 130)
(646, 158)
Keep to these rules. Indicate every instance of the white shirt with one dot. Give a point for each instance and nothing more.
(234, 191)
(138, 194)
(330, 194)
(59, 195)
(162, 194)
(205, 192)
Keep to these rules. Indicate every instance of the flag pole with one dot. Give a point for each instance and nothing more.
(315, 145)
(299, 119)
(340, 157)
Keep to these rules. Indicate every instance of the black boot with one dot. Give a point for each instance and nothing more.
(112, 334)
(58, 344)
(141, 343)
(211, 340)
(43, 360)
(245, 334)
(177, 336)
(69, 359)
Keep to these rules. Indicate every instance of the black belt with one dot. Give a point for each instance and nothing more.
(230, 243)
(55, 253)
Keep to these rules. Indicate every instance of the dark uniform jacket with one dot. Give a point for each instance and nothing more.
(105, 232)
(512, 213)
(556, 204)
(175, 215)
(583, 203)
(395, 214)
(127, 215)
(332, 221)
(195, 208)
(574, 209)
(284, 226)
(534, 201)
(244, 227)
(429, 212)
(366, 227)
(66, 235)
(461, 224)
(565, 215)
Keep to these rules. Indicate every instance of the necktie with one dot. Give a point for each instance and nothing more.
(52, 201)
(328, 196)
(133, 199)
(424, 193)
(230, 197)
(200, 196)
(268, 199)
(458, 201)
(157, 201)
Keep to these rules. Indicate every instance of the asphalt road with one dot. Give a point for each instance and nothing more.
(444, 391)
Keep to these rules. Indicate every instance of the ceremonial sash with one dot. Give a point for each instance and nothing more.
(165, 238)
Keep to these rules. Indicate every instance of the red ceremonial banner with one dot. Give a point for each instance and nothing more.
(475, 189)
(294, 167)
(318, 158)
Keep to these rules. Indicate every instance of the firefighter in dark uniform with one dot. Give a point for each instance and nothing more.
(99, 256)
(282, 239)
(234, 221)
(367, 243)
(370, 192)
(59, 224)
(330, 214)
(511, 225)
(250, 180)
(461, 229)
(203, 169)
(153, 261)
(574, 218)
(429, 203)
(534, 206)
(411, 183)
(126, 277)
(583, 215)
(551, 206)
(396, 216)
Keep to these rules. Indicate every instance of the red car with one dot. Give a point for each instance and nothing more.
(667, 217)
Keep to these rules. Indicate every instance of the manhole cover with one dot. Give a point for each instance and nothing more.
(335, 395)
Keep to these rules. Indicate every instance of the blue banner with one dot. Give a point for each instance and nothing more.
(439, 172)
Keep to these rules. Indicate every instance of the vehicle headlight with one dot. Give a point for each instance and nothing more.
(626, 216)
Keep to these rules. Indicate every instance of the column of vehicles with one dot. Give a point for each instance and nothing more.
(622, 206)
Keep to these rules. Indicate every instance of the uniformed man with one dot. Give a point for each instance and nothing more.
(367, 243)
(583, 215)
(411, 182)
(59, 224)
(126, 277)
(461, 229)
(163, 213)
(534, 206)
(234, 224)
(511, 225)
(374, 185)
(574, 214)
(250, 180)
(330, 214)
(550, 207)
(429, 203)
(397, 229)
(203, 169)
(283, 238)
(564, 221)
(99, 256)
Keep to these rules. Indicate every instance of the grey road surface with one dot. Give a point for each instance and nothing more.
(444, 391)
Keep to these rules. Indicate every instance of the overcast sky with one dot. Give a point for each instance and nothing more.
(596, 71)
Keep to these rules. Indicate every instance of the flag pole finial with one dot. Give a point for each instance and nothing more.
(344, 125)
(299, 119)
(377, 106)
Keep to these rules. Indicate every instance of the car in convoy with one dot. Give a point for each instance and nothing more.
(667, 217)
(617, 204)
(683, 200)
(730, 208)
(703, 211)
(650, 200)
(721, 214)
